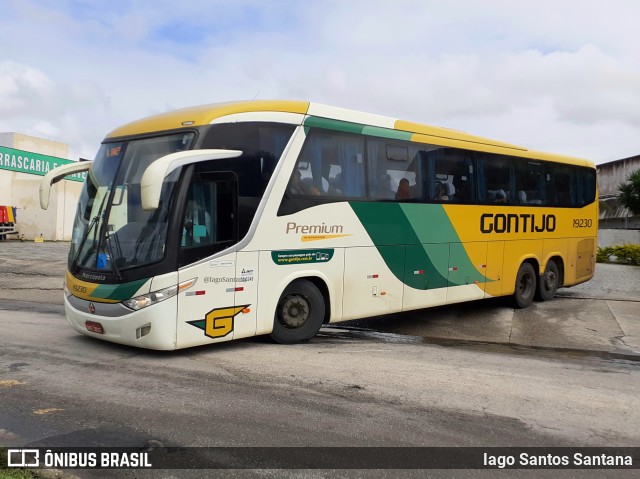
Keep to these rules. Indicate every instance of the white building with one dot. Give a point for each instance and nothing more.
(610, 175)
(24, 160)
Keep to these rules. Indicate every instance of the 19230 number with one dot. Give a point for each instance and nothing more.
(582, 223)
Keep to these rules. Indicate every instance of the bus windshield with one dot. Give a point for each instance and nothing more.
(111, 231)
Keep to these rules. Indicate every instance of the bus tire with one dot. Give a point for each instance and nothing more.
(299, 313)
(548, 283)
(525, 286)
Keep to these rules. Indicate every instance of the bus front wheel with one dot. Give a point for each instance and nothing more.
(525, 286)
(549, 282)
(299, 314)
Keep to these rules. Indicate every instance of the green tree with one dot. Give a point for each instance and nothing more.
(630, 193)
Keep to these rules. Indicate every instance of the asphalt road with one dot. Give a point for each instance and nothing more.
(344, 388)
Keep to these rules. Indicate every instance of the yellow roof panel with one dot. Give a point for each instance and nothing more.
(203, 115)
(435, 131)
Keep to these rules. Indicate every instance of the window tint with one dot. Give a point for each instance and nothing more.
(573, 185)
(333, 167)
(521, 181)
(330, 165)
(209, 221)
(450, 178)
(207, 214)
(531, 182)
(494, 179)
(586, 186)
(262, 145)
(564, 185)
(395, 170)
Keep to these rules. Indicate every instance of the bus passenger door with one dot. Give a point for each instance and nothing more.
(246, 294)
(207, 309)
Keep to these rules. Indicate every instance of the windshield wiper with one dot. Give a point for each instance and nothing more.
(92, 223)
(114, 266)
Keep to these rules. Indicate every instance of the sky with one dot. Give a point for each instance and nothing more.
(561, 76)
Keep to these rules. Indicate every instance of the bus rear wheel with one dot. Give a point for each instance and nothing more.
(299, 314)
(549, 282)
(525, 286)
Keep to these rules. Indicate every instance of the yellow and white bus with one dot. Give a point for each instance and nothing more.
(274, 217)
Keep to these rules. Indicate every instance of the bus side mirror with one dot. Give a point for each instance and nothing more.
(56, 175)
(153, 177)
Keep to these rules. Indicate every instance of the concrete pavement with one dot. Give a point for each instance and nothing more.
(600, 316)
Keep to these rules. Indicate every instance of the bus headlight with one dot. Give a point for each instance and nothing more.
(145, 300)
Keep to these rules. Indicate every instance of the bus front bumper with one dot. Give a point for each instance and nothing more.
(153, 327)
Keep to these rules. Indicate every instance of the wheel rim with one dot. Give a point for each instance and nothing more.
(525, 285)
(295, 311)
(550, 281)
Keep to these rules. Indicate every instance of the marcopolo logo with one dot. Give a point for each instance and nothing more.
(514, 223)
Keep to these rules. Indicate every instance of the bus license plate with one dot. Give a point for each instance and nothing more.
(94, 327)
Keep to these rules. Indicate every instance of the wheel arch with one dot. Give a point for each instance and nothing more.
(294, 320)
(316, 277)
(533, 261)
(321, 284)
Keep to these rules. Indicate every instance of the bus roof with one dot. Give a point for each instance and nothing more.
(205, 114)
(335, 118)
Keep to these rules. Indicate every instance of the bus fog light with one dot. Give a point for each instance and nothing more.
(143, 331)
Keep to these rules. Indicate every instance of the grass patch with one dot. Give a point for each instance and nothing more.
(17, 474)
(12, 472)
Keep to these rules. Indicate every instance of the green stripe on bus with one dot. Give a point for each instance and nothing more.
(400, 230)
(430, 223)
(439, 229)
(357, 128)
(391, 231)
(386, 133)
(118, 292)
(328, 124)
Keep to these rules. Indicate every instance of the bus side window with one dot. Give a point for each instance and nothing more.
(330, 164)
(586, 185)
(494, 179)
(451, 176)
(395, 170)
(530, 182)
(563, 179)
